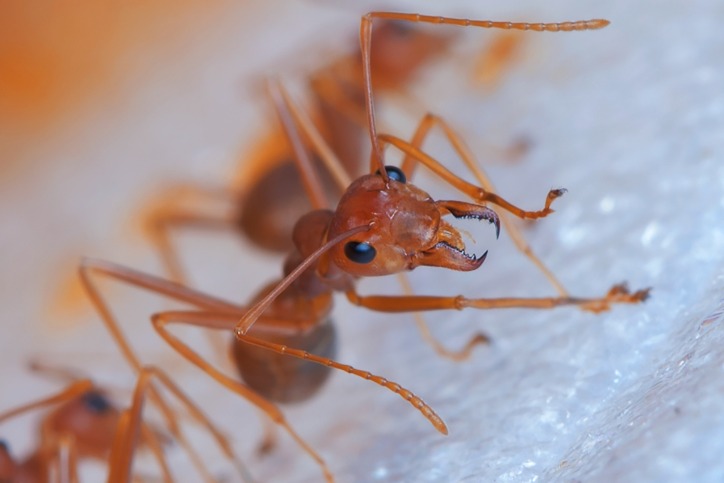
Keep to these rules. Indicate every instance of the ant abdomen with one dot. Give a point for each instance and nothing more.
(273, 205)
(285, 379)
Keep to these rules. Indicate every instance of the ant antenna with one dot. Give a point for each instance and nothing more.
(255, 312)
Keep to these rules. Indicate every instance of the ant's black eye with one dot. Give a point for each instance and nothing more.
(394, 173)
(96, 402)
(360, 252)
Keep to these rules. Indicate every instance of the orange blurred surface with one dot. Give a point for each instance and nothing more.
(57, 56)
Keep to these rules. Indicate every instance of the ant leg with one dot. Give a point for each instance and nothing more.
(227, 321)
(8, 465)
(268, 440)
(284, 104)
(160, 229)
(70, 392)
(87, 269)
(410, 163)
(162, 218)
(454, 355)
(310, 179)
(123, 461)
(62, 454)
(376, 161)
(492, 62)
(183, 294)
(477, 193)
(161, 225)
(618, 294)
(330, 91)
(151, 440)
(222, 442)
(214, 321)
(125, 441)
(66, 460)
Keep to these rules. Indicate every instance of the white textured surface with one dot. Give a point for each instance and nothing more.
(629, 119)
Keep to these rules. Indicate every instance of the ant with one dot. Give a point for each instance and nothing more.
(85, 424)
(266, 209)
(382, 225)
(270, 197)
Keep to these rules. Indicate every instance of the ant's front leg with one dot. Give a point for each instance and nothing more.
(618, 294)
(409, 164)
(478, 194)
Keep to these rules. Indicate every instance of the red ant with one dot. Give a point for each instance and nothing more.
(382, 225)
(270, 198)
(85, 424)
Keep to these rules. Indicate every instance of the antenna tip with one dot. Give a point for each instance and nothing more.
(598, 23)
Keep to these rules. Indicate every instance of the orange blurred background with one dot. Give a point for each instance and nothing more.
(57, 58)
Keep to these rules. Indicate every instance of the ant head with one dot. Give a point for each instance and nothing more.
(90, 418)
(407, 228)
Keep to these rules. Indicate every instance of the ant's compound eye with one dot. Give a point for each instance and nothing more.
(96, 402)
(394, 173)
(360, 252)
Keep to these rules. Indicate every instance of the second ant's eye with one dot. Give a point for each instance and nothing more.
(96, 402)
(394, 173)
(360, 252)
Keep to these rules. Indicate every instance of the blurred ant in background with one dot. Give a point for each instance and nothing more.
(82, 423)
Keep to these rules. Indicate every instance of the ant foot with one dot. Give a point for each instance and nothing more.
(266, 446)
(618, 294)
(553, 195)
(464, 353)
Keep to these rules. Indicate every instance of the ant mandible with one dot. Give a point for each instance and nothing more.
(382, 225)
